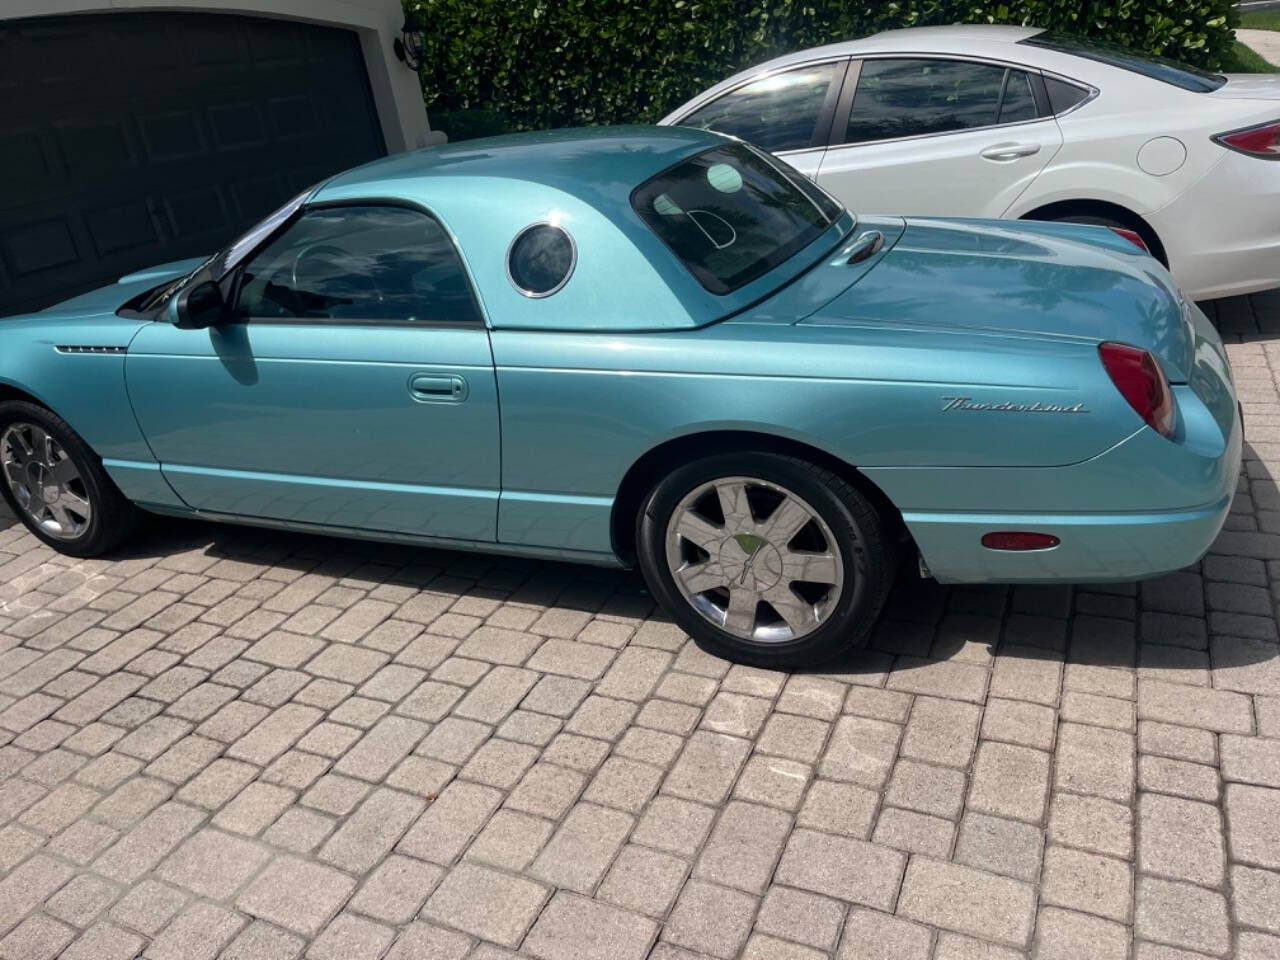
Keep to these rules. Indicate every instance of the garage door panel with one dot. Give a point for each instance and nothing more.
(276, 41)
(216, 120)
(236, 125)
(39, 246)
(214, 42)
(197, 213)
(257, 193)
(96, 147)
(172, 135)
(26, 160)
(122, 228)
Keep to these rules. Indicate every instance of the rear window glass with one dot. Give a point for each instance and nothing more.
(1157, 68)
(732, 214)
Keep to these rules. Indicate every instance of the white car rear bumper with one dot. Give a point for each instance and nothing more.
(1223, 234)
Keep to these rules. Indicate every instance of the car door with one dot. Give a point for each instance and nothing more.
(787, 112)
(924, 135)
(351, 385)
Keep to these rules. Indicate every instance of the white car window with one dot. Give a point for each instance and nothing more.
(915, 96)
(778, 112)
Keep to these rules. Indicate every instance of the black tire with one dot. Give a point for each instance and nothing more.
(113, 518)
(859, 532)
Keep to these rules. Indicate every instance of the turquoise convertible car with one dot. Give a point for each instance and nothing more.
(650, 346)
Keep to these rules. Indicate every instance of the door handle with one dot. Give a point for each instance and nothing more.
(867, 245)
(1004, 152)
(438, 388)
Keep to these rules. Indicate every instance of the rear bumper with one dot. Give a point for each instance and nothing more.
(1223, 234)
(1094, 547)
(1146, 480)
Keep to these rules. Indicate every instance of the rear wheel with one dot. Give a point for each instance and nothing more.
(57, 486)
(765, 559)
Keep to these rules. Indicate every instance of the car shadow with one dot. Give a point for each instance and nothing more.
(932, 631)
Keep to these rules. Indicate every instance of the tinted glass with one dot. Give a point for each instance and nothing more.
(541, 260)
(1157, 68)
(777, 113)
(358, 263)
(1062, 95)
(905, 98)
(731, 214)
(1019, 102)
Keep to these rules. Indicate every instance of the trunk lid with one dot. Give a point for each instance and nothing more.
(1249, 86)
(1042, 280)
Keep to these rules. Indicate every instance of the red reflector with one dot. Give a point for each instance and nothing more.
(1141, 382)
(1261, 141)
(1132, 236)
(1018, 540)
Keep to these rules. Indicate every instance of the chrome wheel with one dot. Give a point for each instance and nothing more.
(754, 559)
(45, 481)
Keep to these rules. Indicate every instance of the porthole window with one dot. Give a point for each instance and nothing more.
(541, 259)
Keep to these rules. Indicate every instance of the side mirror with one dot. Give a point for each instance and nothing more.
(199, 306)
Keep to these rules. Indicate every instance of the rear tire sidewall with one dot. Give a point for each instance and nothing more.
(108, 523)
(855, 527)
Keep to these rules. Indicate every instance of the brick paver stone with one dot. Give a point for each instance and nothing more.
(297, 895)
(485, 903)
(574, 928)
(1253, 818)
(968, 901)
(842, 867)
(213, 864)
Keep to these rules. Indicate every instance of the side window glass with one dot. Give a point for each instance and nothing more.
(358, 263)
(910, 97)
(1019, 102)
(779, 112)
(1062, 95)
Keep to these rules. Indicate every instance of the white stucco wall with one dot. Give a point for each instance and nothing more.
(396, 92)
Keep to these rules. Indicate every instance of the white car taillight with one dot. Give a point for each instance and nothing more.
(1260, 141)
(1133, 237)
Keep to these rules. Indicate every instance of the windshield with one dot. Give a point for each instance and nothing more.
(731, 214)
(229, 257)
(1148, 65)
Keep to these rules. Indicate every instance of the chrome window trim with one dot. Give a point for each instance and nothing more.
(793, 152)
(573, 260)
(707, 99)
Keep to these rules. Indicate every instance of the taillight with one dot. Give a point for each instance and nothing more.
(1260, 141)
(1138, 377)
(1133, 237)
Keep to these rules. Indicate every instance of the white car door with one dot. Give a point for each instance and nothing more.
(937, 136)
(787, 112)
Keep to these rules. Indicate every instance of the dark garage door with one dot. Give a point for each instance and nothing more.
(131, 139)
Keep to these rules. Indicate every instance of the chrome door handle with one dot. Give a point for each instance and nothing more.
(867, 245)
(438, 388)
(1004, 152)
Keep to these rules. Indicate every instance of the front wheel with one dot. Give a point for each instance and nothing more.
(765, 559)
(56, 485)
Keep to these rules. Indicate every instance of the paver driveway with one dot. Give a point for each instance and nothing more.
(257, 745)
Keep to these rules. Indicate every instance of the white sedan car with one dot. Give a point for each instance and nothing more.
(994, 121)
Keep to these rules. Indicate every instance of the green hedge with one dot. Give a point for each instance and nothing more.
(530, 64)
